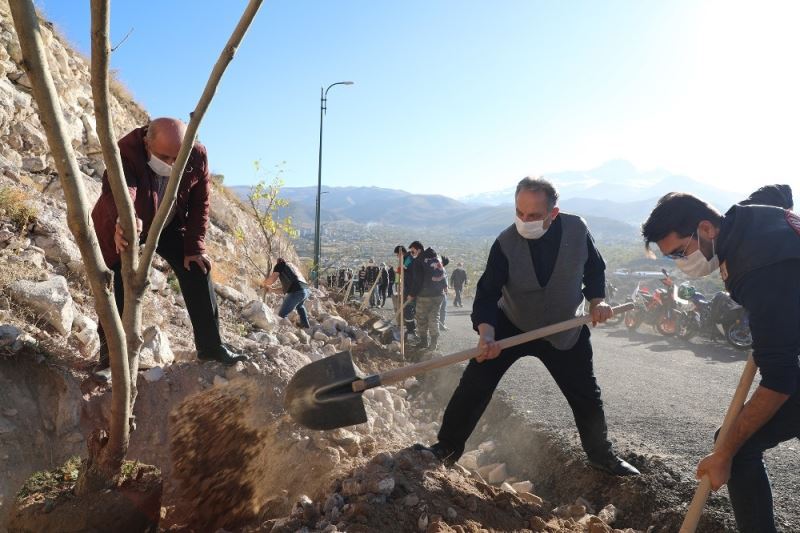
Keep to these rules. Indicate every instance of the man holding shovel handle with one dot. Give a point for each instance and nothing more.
(538, 273)
(757, 251)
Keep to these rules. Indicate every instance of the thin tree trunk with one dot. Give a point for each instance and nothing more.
(107, 454)
(100, 278)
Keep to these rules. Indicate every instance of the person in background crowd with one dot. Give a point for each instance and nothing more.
(443, 308)
(458, 279)
(362, 280)
(427, 290)
(373, 273)
(409, 309)
(383, 284)
(294, 286)
(774, 195)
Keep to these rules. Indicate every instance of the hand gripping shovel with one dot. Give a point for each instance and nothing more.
(326, 394)
(692, 518)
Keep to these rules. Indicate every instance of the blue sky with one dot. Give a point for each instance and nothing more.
(458, 97)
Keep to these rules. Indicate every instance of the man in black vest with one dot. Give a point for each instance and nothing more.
(538, 273)
(757, 251)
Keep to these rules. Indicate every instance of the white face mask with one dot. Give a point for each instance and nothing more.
(695, 265)
(530, 230)
(159, 167)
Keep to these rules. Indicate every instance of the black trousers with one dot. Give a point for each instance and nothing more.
(571, 369)
(197, 289)
(457, 299)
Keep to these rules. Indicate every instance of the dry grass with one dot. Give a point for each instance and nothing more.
(15, 203)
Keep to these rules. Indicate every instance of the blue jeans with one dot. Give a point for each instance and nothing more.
(749, 488)
(294, 301)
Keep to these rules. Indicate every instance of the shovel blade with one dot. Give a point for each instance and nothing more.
(320, 395)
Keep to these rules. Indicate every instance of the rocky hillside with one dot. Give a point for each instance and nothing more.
(230, 456)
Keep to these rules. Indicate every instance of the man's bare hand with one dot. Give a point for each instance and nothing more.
(489, 348)
(718, 469)
(202, 261)
(600, 311)
(120, 242)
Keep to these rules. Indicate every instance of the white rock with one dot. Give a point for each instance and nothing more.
(469, 461)
(498, 475)
(219, 381)
(260, 315)
(523, 486)
(508, 488)
(288, 338)
(487, 447)
(156, 350)
(329, 349)
(608, 514)
(319, 336)
(50, 299)
(154, 374)
(158, 281)
(229, 293)
(85, 330)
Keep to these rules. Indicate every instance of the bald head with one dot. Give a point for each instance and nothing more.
(164, 138)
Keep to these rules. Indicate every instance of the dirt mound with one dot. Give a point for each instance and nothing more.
(411, 491)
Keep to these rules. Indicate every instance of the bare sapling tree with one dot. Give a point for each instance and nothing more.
(107, 450)
(264, 203)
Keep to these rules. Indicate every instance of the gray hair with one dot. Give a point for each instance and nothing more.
(538, 185)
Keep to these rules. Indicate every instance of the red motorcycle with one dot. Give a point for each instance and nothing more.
(657, 308)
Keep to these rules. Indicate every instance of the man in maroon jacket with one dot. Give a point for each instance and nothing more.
(147, 157)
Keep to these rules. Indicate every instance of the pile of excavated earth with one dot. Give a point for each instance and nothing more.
(230, 458)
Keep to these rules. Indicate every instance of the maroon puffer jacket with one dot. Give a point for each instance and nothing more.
(192, 205)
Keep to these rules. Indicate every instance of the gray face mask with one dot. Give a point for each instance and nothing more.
(159, 167)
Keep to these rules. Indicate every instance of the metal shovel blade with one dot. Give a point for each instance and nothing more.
(320, 395)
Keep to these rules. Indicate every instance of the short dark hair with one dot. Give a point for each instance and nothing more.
(445, 260)
(399, 248)
(775, 195)
(538, 185)
(416, 245)
(679, 212)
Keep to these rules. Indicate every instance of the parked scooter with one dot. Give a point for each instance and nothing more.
(657, 308)
(720, 318)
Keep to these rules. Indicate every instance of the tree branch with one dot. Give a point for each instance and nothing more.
(191, 133)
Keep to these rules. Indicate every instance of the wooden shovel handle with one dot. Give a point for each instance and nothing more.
(692, 517)
(399, 374)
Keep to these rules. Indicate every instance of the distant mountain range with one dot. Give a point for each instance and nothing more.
(614, 198)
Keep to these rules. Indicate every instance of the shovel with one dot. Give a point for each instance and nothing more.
(326, 394)
(692, 518)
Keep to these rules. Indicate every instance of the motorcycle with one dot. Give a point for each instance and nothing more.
(657, 308)
(719, 318)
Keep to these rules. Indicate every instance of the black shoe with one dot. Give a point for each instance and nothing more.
(615, 466)
(222, 355)
(443, 454)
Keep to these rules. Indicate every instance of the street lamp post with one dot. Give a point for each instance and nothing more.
(323, 99)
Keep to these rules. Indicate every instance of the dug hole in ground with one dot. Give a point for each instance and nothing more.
(237, 460)
(232, 459)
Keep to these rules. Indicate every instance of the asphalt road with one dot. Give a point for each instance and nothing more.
(662, 396)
